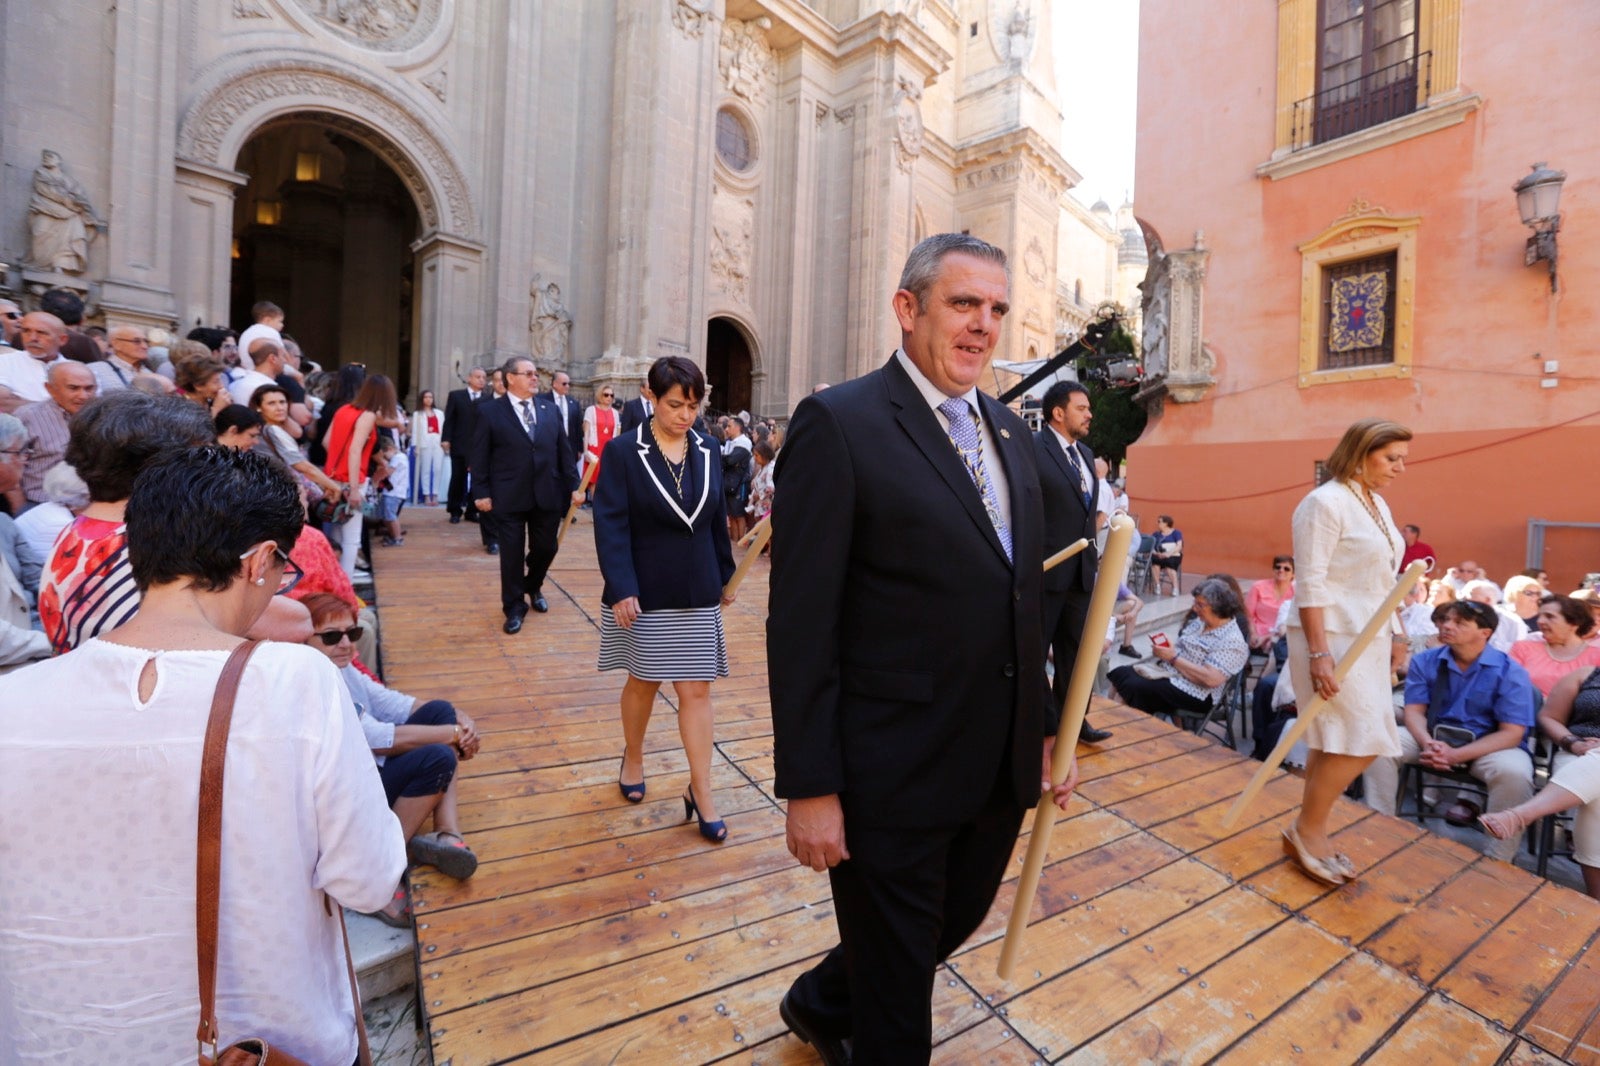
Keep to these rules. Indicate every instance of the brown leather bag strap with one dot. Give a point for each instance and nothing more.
(208, 848)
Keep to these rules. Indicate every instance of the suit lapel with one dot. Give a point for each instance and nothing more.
(928, 434)
(646, 444)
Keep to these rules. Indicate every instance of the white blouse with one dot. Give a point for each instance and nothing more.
(99, 796)
(1343, 561)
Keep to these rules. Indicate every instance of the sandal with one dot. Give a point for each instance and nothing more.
(396, 919)
(1503, 825)
(452, 858)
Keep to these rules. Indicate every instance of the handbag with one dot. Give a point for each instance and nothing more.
(247, 1051)
(330, 509)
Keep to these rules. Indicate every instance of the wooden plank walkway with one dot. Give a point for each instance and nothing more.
(597, 931)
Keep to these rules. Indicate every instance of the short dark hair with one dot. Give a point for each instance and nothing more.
(924, 261)
(64, 304)
(672, 370)
(1575, 612)
(264, 309)
(348, 383)
(764, 450)
(1166, 520)
(1533, 572)
(237, 417)
(1278, 560)
(1480, 614)
(263, 391)
(193, 371)
(114, 437)
(212, 337)
(194, 511)
(1059, 395)
(1415, 529)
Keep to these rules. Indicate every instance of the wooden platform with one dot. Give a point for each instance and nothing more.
(597, 932)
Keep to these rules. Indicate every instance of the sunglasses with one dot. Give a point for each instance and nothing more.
(330, 637)
(1290, 569)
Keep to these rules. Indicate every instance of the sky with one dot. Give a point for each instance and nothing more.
(1096, 51)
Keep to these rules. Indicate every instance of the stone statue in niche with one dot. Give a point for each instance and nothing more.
(1014, 33)
(907, 122)
(549, 325)
(745, 59)
(1156, 307)
(60, 218)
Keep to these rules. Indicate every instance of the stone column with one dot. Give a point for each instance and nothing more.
(144, 124)
(1189, 363)
(445, 308)
(202, 240)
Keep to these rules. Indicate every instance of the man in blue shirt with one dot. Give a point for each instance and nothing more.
(1468, 706)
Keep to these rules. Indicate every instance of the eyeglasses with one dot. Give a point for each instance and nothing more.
(520, 373)
(25, 452)
(11, 314)
(1289, 569)
(132, 340)
(1530, 592)
(330, 637)
(291, 573)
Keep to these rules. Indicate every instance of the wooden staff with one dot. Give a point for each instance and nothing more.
(755, 530)
(572, 510)
(1311, 709)
(1073, 709)
(763, 533)
(1066, 553)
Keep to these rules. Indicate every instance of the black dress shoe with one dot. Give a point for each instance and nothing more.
(832, 1050)
(1090, 735)
(492, 549)
(455, 519)
(513, 624)
(472, 516)
(540, 604)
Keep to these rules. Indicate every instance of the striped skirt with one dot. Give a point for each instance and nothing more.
(684, 644)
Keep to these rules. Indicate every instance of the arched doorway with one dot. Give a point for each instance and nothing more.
(323, 227)
(729, 366)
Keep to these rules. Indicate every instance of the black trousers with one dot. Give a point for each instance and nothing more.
(904, 900)
(527, 542)
(1064, 615)
(457, 496)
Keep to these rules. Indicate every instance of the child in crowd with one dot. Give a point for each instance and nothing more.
(394, 478)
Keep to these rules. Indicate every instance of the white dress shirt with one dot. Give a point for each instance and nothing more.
(993, 465)
(24, 375)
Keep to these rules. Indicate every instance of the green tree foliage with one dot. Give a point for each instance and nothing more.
(1118, 420)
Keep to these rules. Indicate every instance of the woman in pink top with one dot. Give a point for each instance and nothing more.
(1264, 599)
(1562, 645)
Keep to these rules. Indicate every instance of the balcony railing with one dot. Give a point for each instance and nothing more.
(1374, 98)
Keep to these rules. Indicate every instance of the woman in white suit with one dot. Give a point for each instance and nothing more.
(432, 465)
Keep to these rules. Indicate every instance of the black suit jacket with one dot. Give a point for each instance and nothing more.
(516, 472)
(903, 649)
(633, 416)
(1066, 516)
(460, 419)
(670, 553)
(574, 420)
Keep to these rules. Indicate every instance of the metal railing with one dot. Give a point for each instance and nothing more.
(1376, 97)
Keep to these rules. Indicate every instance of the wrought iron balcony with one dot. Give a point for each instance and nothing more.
(1370, 100)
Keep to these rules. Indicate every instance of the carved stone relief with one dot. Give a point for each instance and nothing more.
(1033, 261)
(438, 83)
(549, 326)
(691, 16)
(248, 9)
(732, 242)
(907, 122)
(1014, 30)
(745, 59)
(1176, 360)
(382, 25)
(61, 219)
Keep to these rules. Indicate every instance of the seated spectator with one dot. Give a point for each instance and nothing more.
(238, 427)
(1168, 556)
(1440, 592)
(1561, 645)
(1262, 604)
(102, 755)
(20, 643)
(70, 386)
(271, 402)
(65, 497)
(1458, 576)
(1273, 704)
(87, 585)
(1416, 549)
(320, 572)
(1523, 594)
(201, 377)
(1416, 616)
(1191, 672)
(1590, 599)
(1509, 628)
(1126, 615)
(1467, 706)
(1539, 574)
(761, 484)
(392, 488)
(416, 745)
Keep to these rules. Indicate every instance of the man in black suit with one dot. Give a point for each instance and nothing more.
(910, 708)
(1071, 488)
(637, 411)
(524, 474)
(459, 420)
(571, 413)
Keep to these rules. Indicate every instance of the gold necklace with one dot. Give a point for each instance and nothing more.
(1372, 510)
(676, 472)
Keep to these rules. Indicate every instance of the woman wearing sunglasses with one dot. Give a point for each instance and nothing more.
(417, 746)
(599, 426)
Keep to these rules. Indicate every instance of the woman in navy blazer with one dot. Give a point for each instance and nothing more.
(661, 531)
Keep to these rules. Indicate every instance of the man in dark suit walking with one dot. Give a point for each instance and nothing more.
(571, 413)
(637, 411)
(524, 474)
(1071, 487)
(909, 704)
(459, 421)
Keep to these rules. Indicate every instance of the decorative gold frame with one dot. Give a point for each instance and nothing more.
(1361, 232)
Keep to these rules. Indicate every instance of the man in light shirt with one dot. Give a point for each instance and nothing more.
(267, 357)
(22, 373)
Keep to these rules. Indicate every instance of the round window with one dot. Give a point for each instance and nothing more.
(734, 146)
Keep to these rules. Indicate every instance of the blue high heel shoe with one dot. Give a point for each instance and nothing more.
(716, 831)
(631, 793)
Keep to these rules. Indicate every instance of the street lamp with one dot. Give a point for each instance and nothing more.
(1539, 202)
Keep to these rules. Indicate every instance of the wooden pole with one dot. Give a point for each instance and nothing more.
(1073, 709)
(1311, 709)
(749, 538)
(763, 534)
(1066, 553)
(572, 510)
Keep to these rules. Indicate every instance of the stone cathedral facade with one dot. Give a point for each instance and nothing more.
(428, 185)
